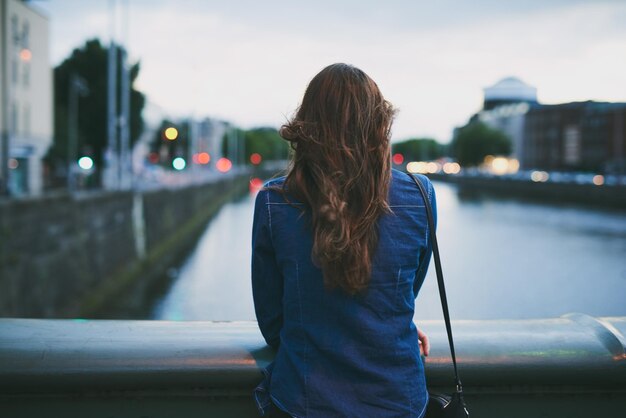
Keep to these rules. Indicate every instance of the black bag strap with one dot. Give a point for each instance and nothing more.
(442, 288)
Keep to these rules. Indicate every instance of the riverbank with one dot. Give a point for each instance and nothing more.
(606, 196)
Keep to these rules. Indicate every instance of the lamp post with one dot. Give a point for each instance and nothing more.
(77, 87)
(7, 52)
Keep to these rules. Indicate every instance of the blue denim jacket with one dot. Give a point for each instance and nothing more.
(340, 355)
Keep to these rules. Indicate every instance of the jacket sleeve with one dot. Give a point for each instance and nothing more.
(424, 258)
(267, 281)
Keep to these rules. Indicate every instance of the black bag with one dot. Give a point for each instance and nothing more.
(440, 405)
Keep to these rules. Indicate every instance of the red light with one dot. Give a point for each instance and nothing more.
(204, 158)
(195, 159)
(397, 158)
(223, 165)
(153, 157)
(255, 158)
(255, 184)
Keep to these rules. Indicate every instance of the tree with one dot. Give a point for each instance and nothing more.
(474, 141)
(419, 149)
(264, 140)
(90, 62)
(267, 142)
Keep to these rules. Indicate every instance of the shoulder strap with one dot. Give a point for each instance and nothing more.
(442, 289)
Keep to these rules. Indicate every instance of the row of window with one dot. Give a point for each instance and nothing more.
(21, 44)
(24, 128)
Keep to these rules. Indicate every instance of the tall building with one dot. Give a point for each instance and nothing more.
(26, 102)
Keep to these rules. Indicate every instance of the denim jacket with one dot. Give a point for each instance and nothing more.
(340, 355)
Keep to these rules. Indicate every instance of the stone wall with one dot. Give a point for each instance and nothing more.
(68, 256)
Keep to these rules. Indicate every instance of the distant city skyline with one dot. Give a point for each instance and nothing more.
(249, 62)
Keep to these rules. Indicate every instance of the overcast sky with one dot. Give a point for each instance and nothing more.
(250, 61)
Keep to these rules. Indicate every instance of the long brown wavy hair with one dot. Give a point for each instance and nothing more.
(341, 168)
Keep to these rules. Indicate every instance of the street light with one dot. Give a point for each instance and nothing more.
(78, 87)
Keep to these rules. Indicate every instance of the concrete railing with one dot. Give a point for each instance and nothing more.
(572, 366)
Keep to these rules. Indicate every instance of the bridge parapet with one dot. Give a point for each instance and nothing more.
(570, 366)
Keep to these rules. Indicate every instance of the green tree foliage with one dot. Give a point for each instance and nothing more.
(267, 142)
(419, 149)
(90, 62)
(475, 141)
(264, 140)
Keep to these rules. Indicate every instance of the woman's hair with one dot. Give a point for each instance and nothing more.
(341, 168)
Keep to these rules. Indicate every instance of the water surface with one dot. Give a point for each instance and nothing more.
(501, 259)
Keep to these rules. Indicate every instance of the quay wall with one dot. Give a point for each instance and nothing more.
(608, 196)
(67, 255)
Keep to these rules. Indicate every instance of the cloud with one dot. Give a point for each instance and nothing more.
(252, 65)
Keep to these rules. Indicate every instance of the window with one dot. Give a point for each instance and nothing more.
(15, 119)
(25, 38)
(26, 128)
(26, 74)
(16, 46)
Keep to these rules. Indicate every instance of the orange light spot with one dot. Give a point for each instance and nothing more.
(204, 158)
(223, 165)
(26, 55)
(598, 180)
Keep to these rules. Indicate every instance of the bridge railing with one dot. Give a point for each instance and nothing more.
(572, 366)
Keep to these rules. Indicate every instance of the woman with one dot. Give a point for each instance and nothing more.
(340, 250)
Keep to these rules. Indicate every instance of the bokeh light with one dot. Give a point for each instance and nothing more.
(255, 184)
(171, 133)
(204, 158)
(26, 55)
(539, 176)
(223, 165)
(179, 163)
(255, 158)
(598, 180)
(86, 163)
(451, 168)
(417, 167)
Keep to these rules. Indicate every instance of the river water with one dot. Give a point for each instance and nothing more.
(501, 259)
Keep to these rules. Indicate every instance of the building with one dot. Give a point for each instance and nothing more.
(210, 134)
(509, 90)
(578, 136)
(26, 102)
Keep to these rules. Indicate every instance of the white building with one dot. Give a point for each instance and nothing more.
(508, 90)
(505, 106)
(26, 99)
(209, 138)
